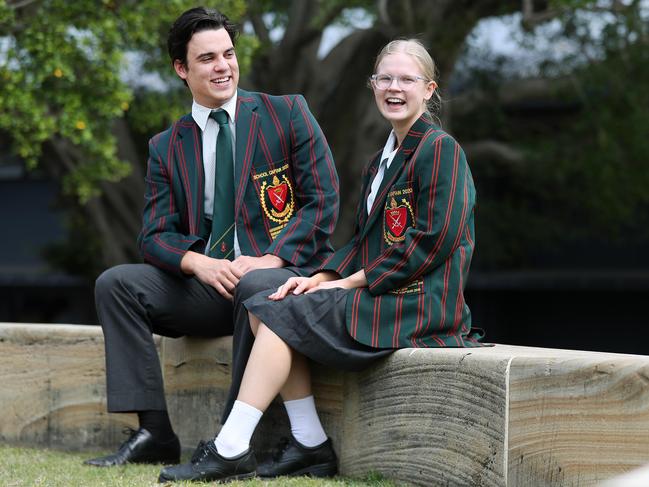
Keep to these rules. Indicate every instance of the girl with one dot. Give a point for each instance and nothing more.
(398, 283)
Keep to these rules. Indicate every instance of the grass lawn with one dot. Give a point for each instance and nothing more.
(27, 467)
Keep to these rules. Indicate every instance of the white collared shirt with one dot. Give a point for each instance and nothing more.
(210, 131)
(389, 151)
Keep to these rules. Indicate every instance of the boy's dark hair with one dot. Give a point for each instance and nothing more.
(196, 20)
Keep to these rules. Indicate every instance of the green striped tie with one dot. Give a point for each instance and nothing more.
(222, 237)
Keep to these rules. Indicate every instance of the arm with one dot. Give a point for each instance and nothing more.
(317, 190)
(162, 241)
(445, 200)
(321, 280)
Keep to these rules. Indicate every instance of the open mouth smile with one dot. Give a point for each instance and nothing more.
(222, 80)
(395, 101)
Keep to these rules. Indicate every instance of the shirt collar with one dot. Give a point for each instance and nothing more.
(390, 148)
(200, 114)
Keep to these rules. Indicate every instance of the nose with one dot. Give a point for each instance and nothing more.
(392, 84)
(220, 64)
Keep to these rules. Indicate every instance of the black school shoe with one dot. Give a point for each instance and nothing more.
(141, 447)
(294, 459)
(207, 465)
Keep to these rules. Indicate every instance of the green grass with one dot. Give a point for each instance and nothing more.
(27, 467)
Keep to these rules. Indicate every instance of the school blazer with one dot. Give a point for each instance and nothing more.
(415, 247)
(286, 186)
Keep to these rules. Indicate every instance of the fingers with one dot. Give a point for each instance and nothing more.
(238, 271)
(303, 286)
(223, 291)
(284, 289)
(314, 289)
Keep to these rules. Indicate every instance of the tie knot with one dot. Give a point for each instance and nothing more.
(221, 117)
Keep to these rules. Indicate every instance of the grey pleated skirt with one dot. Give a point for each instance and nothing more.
(314, 325)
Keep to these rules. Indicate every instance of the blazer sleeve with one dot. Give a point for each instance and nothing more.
(445, 200)
(316, 189)
(162, 241)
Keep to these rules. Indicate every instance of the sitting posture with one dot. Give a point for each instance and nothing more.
(246, 181)
(398, 283)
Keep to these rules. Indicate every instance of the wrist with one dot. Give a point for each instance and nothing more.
(188, 261)
(325, 276)
(272, 261)
(357, 279)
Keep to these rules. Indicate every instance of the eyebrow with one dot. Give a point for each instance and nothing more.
(212, 53)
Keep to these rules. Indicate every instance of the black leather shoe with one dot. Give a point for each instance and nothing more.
(141, 447)
(207, 465)
(294, 459)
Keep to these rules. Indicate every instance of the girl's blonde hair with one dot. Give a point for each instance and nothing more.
(414, 48)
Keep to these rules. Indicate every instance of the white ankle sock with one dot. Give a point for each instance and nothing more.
(234, 437)
(305, 423)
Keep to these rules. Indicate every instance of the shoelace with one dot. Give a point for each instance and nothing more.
(200, 453)
(282, 446)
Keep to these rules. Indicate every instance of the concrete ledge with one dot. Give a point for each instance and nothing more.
(495, 416)
(53, 388)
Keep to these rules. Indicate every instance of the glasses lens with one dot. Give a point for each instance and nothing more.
(383, 81)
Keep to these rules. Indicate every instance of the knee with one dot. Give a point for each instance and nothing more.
(110, 280)
(251, 283)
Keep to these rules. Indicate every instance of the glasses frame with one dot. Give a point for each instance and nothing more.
(374, 83)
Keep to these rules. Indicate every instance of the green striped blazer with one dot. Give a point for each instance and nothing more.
(286, 186)
(415, 247)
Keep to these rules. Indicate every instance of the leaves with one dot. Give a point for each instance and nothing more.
(62, 76)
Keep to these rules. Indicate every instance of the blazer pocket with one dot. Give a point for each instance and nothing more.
(276, 192)
(398, 212)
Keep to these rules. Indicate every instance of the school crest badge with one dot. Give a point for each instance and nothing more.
(277, 199)
(397, 218)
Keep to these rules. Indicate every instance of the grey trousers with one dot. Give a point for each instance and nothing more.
(134, 301)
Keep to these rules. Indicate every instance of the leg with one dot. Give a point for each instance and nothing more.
(229, 456)
(298, 382)
(133, 302)
(268, 369)
(242, 340)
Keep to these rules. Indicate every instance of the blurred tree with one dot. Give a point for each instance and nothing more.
(575, 195)
(68, 104)
(63, 90)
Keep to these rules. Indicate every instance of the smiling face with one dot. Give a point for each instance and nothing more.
(402, 107)
(212, 71)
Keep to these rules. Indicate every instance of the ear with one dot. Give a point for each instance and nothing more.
(430, 89)
(180, 68)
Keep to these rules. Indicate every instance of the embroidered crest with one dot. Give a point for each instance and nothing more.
(277, 194)
(397, 217)
(277, 199)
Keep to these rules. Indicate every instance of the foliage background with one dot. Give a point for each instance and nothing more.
(558, 151)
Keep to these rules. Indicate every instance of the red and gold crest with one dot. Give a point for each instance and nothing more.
(397, 217)
(277, 199)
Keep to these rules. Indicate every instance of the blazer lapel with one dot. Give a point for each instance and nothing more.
(406, 149)
(366, 188)
(188, 146)
(247, 126)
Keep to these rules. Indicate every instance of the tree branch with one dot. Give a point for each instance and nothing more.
(493, 150)
(20, 4)
(508, 94)
(260, 27)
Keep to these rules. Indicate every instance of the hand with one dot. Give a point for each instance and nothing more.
(299, 285)
(245, 263)
(357, 279)
(218, 273)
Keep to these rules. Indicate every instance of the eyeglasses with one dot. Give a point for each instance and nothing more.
(384, 81)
